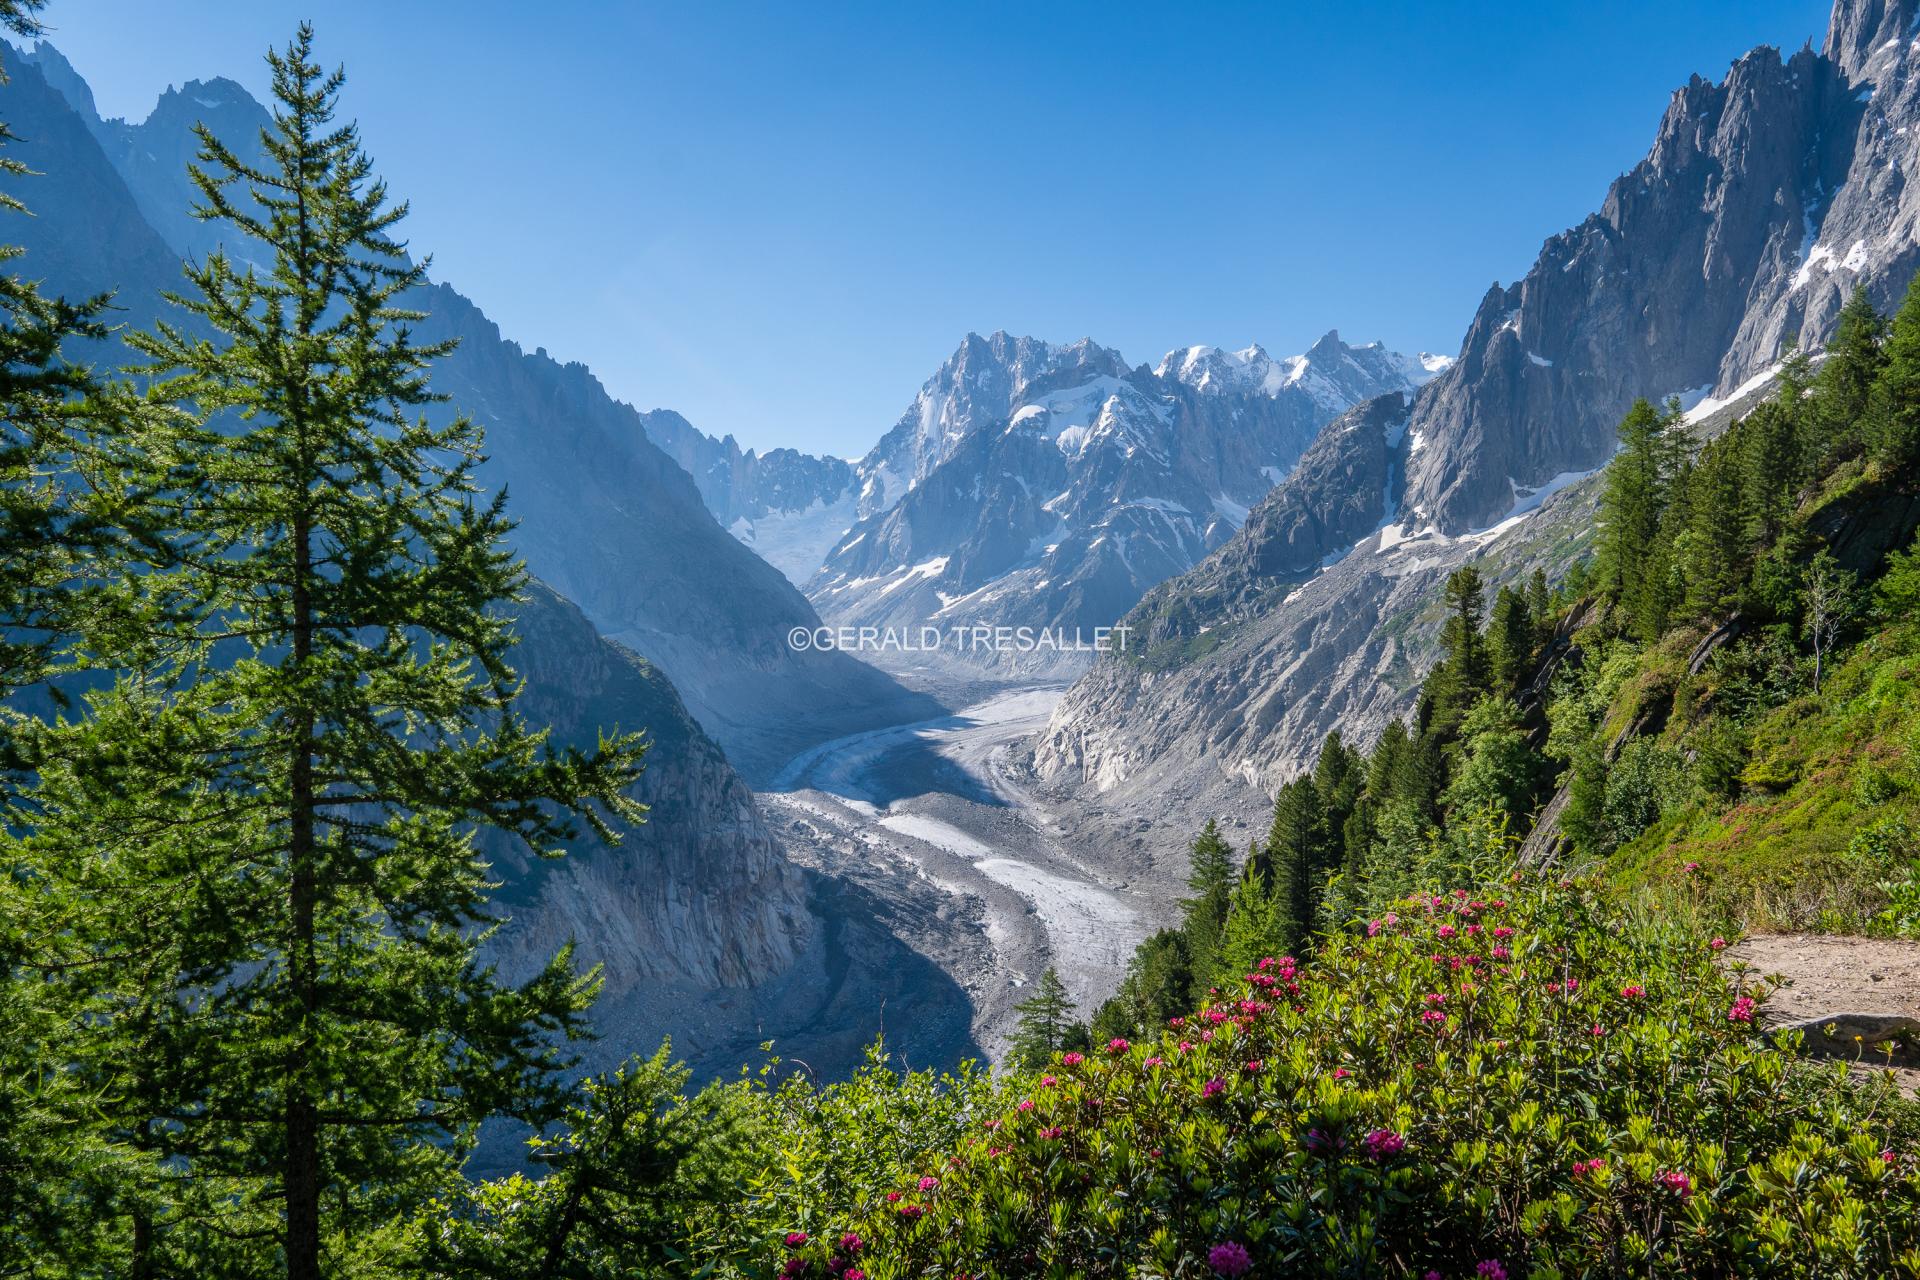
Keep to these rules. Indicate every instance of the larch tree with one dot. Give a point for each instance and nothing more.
(308, 751)
(1893, 432)
(1204, 915)
(1855, 357)
(1046, 1021)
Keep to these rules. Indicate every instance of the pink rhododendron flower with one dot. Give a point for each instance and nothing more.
(1381, 1143)
(1047, 1082)
(1341, 1073)
(893, 1197)
(1320, 1143)
(1633, 992)
(1071, 1059)
(1117, 1045)
(1678, 1183)
(1373, 928)
(1742, 1010)
(795, 1267)
(1433, 1016)
(1230, 1259)
(852, 1243)
(1212, 1087)
(1718, 944)
(1051, 1132)
(1253, 1067)
(911, 1212)
(1447, 931)
(796, 1238)
(1491, 1270)
(1581, 1168)
(1155, 1061)
(929, 1183)
(1026, 1104)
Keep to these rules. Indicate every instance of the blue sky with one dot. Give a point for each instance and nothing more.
(778, 219)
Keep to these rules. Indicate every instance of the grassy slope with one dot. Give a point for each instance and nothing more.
(1823, 771)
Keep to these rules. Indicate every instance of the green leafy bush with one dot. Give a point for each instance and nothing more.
(1539, 1084)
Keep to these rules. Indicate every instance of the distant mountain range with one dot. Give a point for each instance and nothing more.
(1035, 484)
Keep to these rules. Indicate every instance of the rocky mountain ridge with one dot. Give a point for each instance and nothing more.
(604, 515)
(1763, 201)
(1049, 487)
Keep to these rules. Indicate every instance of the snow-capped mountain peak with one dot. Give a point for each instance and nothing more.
(1337, 376)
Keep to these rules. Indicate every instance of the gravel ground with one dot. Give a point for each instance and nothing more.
(1824, 974)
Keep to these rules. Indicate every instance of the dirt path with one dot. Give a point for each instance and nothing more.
(1826, 975)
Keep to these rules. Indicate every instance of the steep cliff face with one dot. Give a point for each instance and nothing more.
(699, 893)
(1683, 282)
(704, 929)
(86, 235)
(1763, 202)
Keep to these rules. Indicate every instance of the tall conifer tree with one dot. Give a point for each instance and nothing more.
(304, 767)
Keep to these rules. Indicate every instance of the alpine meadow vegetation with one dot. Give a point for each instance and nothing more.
(1465, 1011)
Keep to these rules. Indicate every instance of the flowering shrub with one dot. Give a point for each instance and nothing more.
(1594, 1100)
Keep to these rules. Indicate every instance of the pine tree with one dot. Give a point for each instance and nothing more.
(1540, 608)
(302, 767)
(1204, 915)
(1845, 383)
(1510, 643)
(1293, 863)
(1046, 1019)
(1465, 673)
(1894, 408)
(1775, 453)
(1712, 550)
(1259, 925)
(1339, 775)
(1632, 562)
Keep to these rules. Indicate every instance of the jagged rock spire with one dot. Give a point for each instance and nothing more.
(1859, 27)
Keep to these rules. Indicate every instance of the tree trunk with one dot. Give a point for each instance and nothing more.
(303, 1121)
